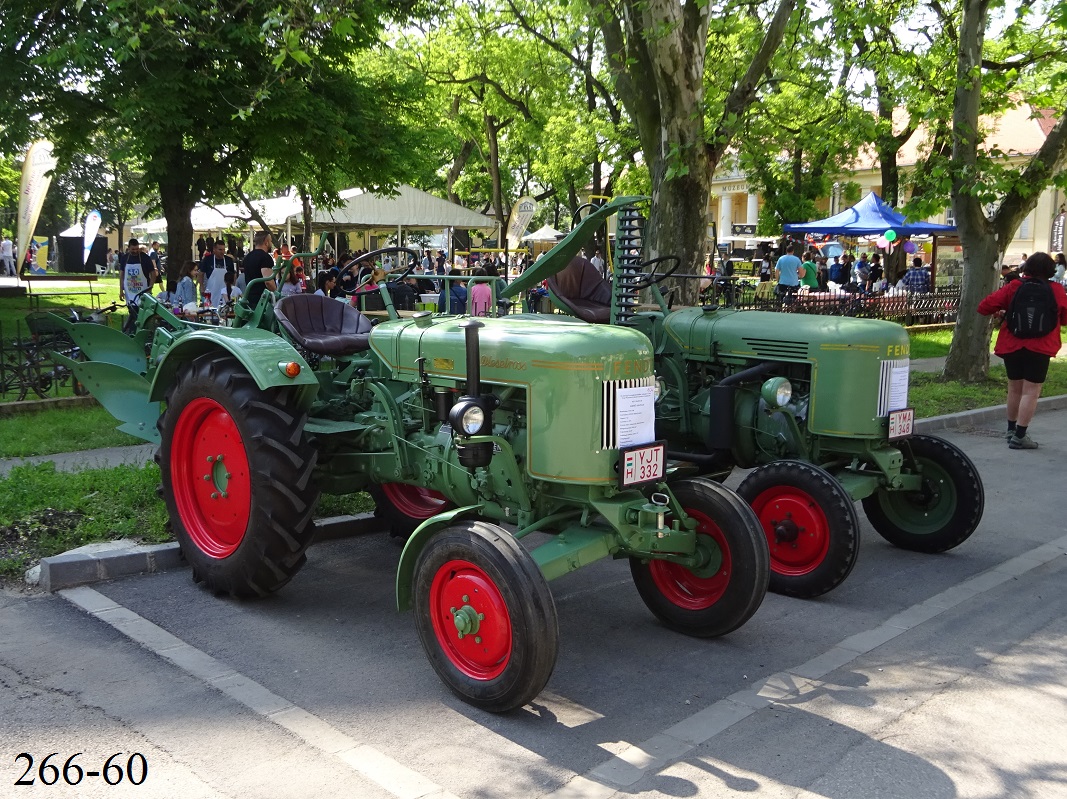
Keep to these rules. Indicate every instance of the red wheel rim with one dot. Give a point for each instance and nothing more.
(210, 477)
(414, 502)
(786, 504)
(470, 620)
(685, 589)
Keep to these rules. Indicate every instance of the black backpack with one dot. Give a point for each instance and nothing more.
(1033, 311)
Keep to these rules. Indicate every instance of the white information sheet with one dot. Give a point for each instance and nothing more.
(898, 387)
(635, 416)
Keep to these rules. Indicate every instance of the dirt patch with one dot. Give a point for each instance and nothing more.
(20, 540)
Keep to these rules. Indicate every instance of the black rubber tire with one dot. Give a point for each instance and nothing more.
(963, 498)
(282, 494)
(515, 576)
(826, 516)
(396, 521)
(667, 588)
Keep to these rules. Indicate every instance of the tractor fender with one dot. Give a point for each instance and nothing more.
(405, 572)
(259, 351)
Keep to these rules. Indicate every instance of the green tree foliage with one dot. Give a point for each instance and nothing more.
(208, 91)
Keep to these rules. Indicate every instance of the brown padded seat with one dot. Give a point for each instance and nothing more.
(323, 325)
(583, 290)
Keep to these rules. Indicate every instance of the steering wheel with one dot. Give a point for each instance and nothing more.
(652, 278)
(370, 256)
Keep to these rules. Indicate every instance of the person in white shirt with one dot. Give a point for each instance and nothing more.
(7, 256)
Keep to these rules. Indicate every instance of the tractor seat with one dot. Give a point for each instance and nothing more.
(583, 290)
(323, 325)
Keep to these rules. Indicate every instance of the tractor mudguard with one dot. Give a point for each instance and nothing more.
(405, 572)
(259, 351)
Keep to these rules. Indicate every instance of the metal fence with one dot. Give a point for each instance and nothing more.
(937, 306)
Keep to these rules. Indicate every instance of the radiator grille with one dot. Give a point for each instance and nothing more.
(776, 348)
(609, 434)
(893, 386)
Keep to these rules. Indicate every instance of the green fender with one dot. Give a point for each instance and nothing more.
(259, 351)
(405, 572)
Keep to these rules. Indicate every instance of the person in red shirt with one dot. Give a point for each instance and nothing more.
(1026, 360)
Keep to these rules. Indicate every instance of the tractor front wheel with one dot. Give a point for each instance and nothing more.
(944, 512)
(723, 595)
(810, 523)
(236, 472)
(485, 616)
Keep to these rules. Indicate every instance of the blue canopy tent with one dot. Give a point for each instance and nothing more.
(871, 216)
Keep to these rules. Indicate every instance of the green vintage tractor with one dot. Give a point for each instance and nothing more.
(527, 446)
(815, 405)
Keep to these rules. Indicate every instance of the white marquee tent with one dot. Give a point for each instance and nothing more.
(409, 208)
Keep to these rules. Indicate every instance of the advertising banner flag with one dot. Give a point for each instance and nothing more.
(92, 227)
(521, 215)
(1055, 238)
(35, 182)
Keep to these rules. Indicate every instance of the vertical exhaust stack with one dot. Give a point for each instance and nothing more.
(472, 415)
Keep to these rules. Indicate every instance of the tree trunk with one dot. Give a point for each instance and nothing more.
(968, 355)
(177, 204)
(491, 129)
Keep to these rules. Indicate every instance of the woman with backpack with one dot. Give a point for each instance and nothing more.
(1031, 311)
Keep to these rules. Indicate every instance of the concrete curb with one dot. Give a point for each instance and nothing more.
(99, 562)
(997, 415)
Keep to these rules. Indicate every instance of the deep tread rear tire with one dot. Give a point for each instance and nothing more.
(513, 662)
(706, 606)
(824, 552)
(275, 494)
(945, 514)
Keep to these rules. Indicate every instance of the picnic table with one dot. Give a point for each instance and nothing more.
(52, 286)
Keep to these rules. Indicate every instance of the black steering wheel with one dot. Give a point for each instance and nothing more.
(370, 256)
(652, 278)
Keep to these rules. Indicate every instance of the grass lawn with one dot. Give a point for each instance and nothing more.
(60, 430)
(932, 396)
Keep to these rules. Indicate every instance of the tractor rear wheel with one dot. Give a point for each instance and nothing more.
(404, 507)
(236, 471)
(485, 616)
(811, 526)
(724, 594)
(947, 509)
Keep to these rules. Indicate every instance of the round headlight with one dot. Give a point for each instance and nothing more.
(472, 420)
(777, 392)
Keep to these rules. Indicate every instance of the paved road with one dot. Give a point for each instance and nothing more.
(921, 677)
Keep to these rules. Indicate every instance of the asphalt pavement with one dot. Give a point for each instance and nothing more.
(921, 676)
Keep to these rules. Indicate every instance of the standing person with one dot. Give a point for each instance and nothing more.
(185, 294)
(807, 274)
(916, 279)
(137, 273)
(1061, 268)
(258, 263)
(1026, 357)
(7, 256)
(216, 259)
(598, 261)
(201, 247)
(480, 294)
(787, 273)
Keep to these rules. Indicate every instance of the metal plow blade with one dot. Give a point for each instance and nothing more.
(123, 393)
(108, 345)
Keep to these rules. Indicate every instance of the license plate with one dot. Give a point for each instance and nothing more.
(642, 464)
(901, 423)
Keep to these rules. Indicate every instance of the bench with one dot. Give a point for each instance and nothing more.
(42, 281)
